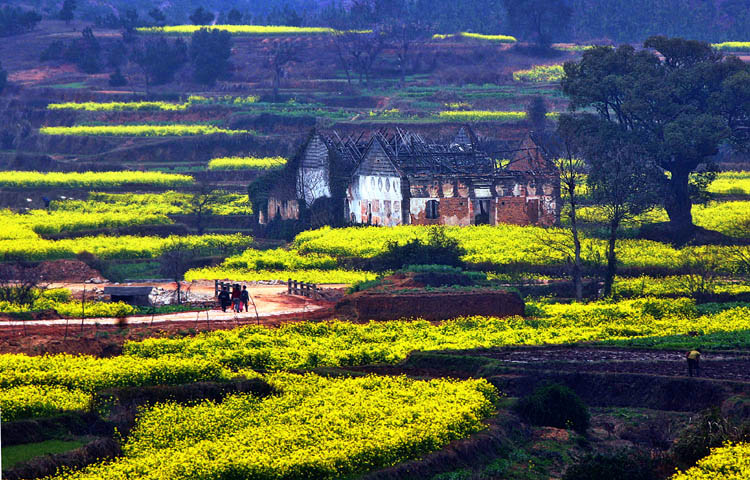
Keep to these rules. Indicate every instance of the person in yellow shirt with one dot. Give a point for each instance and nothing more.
(694, 359)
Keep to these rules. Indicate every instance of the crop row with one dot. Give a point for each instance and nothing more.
(140, 130)
(30, 179)
(121, 248)
(540, 74)
(316, 428)
(730, 462)
(476, 36)
(193, 100)
(246, 163)
(664, 323)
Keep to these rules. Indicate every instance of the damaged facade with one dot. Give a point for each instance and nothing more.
(398, 178)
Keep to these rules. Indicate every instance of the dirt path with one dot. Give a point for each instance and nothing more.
(719, 365)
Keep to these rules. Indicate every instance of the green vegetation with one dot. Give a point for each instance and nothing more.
(15, 454)
(555, 405)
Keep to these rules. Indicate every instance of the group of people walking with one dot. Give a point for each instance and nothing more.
(238, 298)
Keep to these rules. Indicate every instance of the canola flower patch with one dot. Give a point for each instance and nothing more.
(676, 285)
(481, 116)
(539, 74)
(730, 462)
(29, 179)
(192, 101)
(148, 204)
(120, 248)
(264, 30)
(503, 245)
(89, 374)
(29, 401)
(730, 218)
(279, 264)
(310, 275)
(662, 322)
(316, 428)
(733, 46)
(477, 36)
(731, 183)
(140, 130)
(246, 163)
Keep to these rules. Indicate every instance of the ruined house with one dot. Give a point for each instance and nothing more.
(399, 178)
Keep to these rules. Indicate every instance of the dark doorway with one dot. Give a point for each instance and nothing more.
(482, 212)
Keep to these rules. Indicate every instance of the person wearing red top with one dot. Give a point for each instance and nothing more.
(236, 295)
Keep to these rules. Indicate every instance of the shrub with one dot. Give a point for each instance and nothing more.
(438, 250)
(710, 430)
(626, 465)
(554, 405)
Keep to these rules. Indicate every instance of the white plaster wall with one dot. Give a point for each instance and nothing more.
(312, 184)
(375, 190)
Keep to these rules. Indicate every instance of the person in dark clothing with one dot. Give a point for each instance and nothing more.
(236, 298)
(245, 296)
(224, 300)
(694, 362)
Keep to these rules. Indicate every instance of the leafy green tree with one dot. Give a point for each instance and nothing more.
(117, 79)
(157, 16)
(66, 13)
(201, 17)
(160, 59)
(536, 114)
(621, 183)
(234, 17)
(210, 51)
(679, 102)
(540, 21)
(14, 21)
(85, 52)
(130, 19)
(284, 16)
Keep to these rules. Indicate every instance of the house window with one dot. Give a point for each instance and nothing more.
(387, 185)
(432, 209)
(380, 184)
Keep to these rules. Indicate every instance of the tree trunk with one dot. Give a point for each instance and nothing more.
(577, 271)
(609, 278)
(679, 206)
(179, 300)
